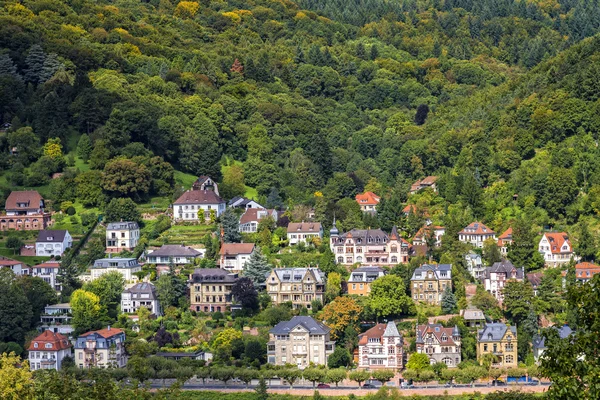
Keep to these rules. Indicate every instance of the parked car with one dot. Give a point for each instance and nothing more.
(323, 386)
(369, 386)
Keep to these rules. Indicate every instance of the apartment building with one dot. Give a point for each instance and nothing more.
(495, 277)
(210, 289)
(556, 249)
(297, 285)
(234, 256)
(360, 280)
(500, 340)
(303, 232)
(476, 234)
(440, 344)
(122, 236)
(429, 282)
(140, 295)
(103, 348)
(48, 350)
(48, 271)
(381, 347)
(125, 266)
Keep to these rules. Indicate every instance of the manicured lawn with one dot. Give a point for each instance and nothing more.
(33, 260)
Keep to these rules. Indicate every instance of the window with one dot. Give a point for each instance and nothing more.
(509, 359)
(81, 355)
(48, 345)
(35, 345)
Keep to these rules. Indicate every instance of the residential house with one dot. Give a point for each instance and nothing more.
(210, 289)
(427, 182)
(140, 295)
(48, 271)
(539, 341)
(300, 286)
(235, 255)
(429, 282)
(122, 236)
(476, 234)
(473, 317)
(178, 254)
(368, 246)
(361, 278)
(535, 278)
(198, 355)
(18, 267)
(475, 264)
(442, 345)
(368, 202)
(585, 271)
(299, 341)
(25, 211)
(48, 350)
(429, 232)
(242, 202)
(57, 318)
(251, 218)
(556, 249)
(505, 240)
(103, 348)
(199, 204)
(303, 232)
(52, 243)
(125, 266)
(381, 347)
(495, 277)
(500, 340)
(411, 209)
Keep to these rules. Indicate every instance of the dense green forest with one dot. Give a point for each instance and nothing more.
(309, 103)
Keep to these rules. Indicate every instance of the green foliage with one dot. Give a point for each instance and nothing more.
(339, 358)
(121, 210)
(388, 297)
(257, 267)
(231, 226)
(448, 301)
(15, 309)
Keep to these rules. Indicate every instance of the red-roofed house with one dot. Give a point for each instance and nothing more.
(17, 267)
(250, 219)
(103, 348)
(585, 271)
(556, 248)
(424, 233)
(427, 182)
(505, 240)
(201, 200)
(235, 255)
(24, 211)
(48, 350)
(48, 271)
(380, 347)
(440, 344)
(476, 233)
(368, 202)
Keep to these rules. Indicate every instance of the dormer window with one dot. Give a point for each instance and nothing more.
(48, 345)
(35, 345)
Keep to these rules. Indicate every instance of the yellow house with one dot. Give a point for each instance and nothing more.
(501, 341)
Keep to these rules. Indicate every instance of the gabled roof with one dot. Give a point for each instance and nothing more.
(48, 264)
(255, 215)
(9, 262)
(31, 198)
(237, 248)
(57, 236)
(304, 227)
(297, 274)
(420, 184)
(368, 198)
(506, 235)
(425, 230)
(308, 323)
(494, 332)
(199, 197)
(105, 333)
(557, 240)
(129, 225)
(472, 314)
(55, 339)
(477, 228)
(175, 250)
(535, 278)
(504, 267)
(586, 270)
(437, 331)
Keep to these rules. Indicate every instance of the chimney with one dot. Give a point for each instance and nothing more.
(108, 328)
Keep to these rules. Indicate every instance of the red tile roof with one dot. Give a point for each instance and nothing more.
(237, 248)
(58, 342)
(437, 330)
(31, 197)
(251, 214)
(7, 262)
(375, 332)
(304, 227)
(507, 235)
(420, 235)
(477, 228)
(425, 182)
(105, 333)
(368, 198)
(199, 197)
(48, 264)
(556, 240)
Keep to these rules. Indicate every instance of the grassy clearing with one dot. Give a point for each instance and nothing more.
(183, 234)
(29, 260)
(250, 193)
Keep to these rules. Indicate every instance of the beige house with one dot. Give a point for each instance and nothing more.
(429, 282)
(299, 285)
(299, 341)
(122, 236)
(442, 345)
(368, 246)
(500, 340)
(476, 234)
(104, 348)
(234, 256)
(210, 289)
(303, 232)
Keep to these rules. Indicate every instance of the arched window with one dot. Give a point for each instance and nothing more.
(340, 259)
(394, 249)
(394, 260)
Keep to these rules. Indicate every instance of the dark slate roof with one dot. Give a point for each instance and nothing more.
(122, 225)
(199, 197)
(563, 332)
(309, 323)
(51, 236)
(212, 275)
(142, 287)
(421, 272)
(174, 250)
(496, 330)
(297, 274)
(504, 267)
(364, 235)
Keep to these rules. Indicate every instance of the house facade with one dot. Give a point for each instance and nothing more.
(368, 202)
(429, 282)
(103, 348)
(298, 285)
(210, 289)
(500, 340)
(475, 264)
(381, 347)
(200, 203)
(473, 317)
(233, 256)
(539, 341)
(125, 266)
(505, 240)
(250, 219)
(303, 232)
(177, 254)
(495, 277)
(24, 210)
(48, 271)
(368, 246)
(19, 268)
(122, 236)
(476, 234)
(428, 232)
(585, 271)
(242, 202)
(427, 182)
(140, 295)
(48, 350)
(57, 318)
(360, 280)
(556, 249)
(442, 345)
(299, 341)
(52, 243)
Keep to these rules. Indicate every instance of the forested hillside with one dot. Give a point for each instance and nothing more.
(313, 108)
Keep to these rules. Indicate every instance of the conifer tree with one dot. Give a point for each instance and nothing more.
(448, 301)
(257, 267)
(231, 227)
(50, 67)
(84, 147)
(7, 66)
(35, 63)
